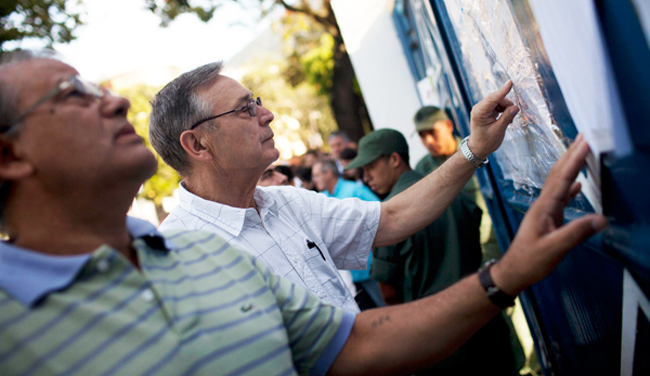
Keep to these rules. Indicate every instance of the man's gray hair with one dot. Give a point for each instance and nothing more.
(9, 110)
(176, 107)
(341, 134)
(328, 164)
(9, 93)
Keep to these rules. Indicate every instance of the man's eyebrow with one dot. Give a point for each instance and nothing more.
(244, 98)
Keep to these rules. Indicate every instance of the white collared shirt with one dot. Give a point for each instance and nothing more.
(343, 230)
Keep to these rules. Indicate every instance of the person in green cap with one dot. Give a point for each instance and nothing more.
(434, 257)
(436, 132)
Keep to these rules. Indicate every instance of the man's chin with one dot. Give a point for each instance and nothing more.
(147, 165)
(276, 155)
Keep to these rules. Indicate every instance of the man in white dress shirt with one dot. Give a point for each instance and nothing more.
(217, 135)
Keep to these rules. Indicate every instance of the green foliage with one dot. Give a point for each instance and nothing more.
(166, 180)
(51, 20)
(318, 64)
(310, 52)
(301, 114)
(168, 10)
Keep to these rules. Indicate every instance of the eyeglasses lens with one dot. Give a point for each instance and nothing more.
(252, 106)
(88, 88)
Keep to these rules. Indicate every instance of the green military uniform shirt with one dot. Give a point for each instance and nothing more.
(431, 260)
(489, 243)
(435, 257)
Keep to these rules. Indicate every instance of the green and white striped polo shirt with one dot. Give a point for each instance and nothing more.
(197, 306)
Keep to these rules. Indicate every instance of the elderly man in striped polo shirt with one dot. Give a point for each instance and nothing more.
(86, 290)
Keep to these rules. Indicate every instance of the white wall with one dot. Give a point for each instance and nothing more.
(380, 66)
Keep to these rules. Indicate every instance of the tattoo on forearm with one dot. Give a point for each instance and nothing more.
(380, 321)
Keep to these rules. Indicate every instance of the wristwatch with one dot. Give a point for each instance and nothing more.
(492, 291)
(471, 158)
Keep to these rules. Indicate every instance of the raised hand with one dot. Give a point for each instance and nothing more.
(487, 127)
(543, 239)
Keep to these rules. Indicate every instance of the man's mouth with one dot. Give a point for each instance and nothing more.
(127, 130)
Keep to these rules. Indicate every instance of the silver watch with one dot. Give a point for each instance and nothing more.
(471, 158)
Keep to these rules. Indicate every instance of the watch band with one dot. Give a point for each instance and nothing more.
(492, 291)
(471, 158)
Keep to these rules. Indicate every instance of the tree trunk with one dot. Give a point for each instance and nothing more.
(347, 104)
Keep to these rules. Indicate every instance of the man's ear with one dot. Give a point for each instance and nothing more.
(13, 167)
(195, 145)
(450, 125)
(394, 159)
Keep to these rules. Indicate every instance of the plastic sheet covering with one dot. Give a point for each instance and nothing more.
(493, 52)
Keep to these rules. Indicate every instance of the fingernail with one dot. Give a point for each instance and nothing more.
(514, 110)
(599, 223)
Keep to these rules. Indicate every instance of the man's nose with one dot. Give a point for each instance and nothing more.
(265, 115)
(114, 105)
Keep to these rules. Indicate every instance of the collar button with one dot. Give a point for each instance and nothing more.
(103, 265)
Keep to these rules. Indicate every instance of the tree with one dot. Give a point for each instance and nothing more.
(56, 20)
(51, 20)
(335, 77)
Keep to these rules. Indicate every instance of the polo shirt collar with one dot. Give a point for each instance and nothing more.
(27, 275)
(229, 218)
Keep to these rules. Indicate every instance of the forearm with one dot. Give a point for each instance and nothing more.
(421, 204)
(402, 339)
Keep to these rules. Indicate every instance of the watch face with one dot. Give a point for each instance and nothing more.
(489, 262)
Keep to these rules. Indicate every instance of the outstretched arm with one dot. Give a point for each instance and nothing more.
(424, 202)
(402, 339)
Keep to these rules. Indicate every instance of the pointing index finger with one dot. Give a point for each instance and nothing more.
(496, 99)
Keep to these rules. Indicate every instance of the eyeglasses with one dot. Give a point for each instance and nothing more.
(251, 107)
(74, 85)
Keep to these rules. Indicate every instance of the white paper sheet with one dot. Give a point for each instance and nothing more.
(571, 34)
(642, 8)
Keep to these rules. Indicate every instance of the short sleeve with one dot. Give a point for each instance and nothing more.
(316, 330)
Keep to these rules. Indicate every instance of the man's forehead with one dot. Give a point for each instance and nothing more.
(225, 89)
(37, 76)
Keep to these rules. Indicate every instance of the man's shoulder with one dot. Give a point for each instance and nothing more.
(179, 218)
(189, 243)
(284, 194)
(404, 181)
(425, 164)
(351, 189)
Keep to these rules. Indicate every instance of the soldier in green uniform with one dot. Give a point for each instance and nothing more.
(436, 132)
(434, 257)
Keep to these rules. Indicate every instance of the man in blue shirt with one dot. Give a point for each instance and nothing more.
(329, 182)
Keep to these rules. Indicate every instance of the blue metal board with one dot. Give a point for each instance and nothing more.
(576, 314)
